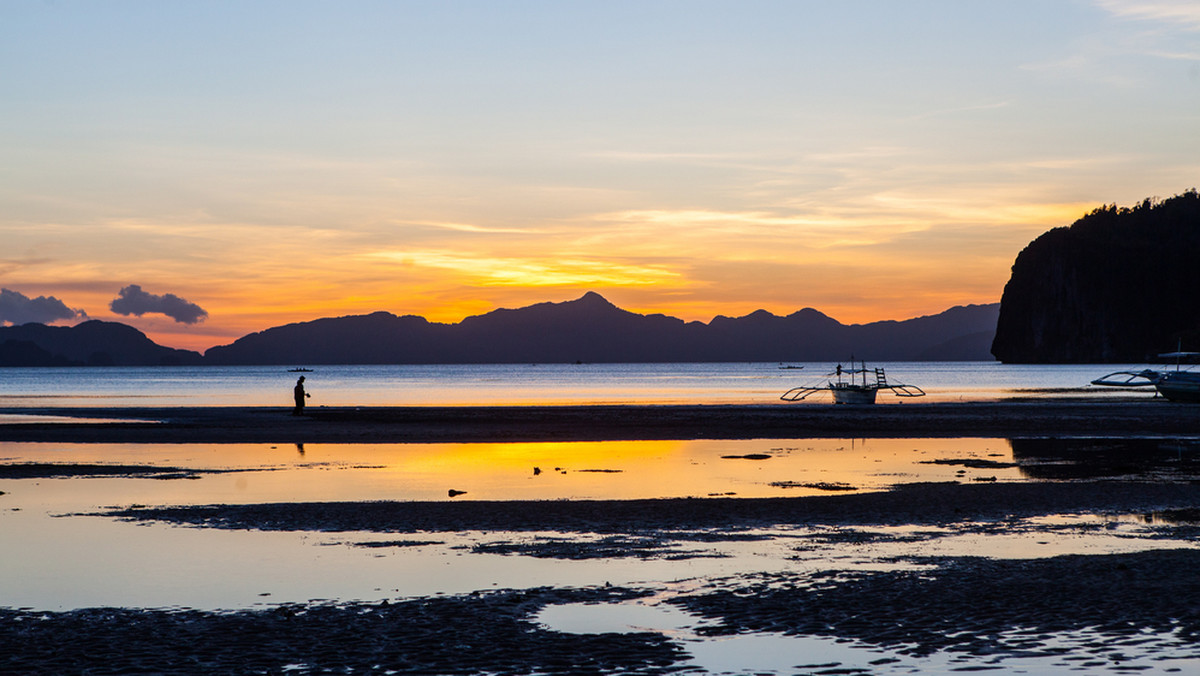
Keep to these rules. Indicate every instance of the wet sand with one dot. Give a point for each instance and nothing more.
(906, 504)
(416, 424)
(486, 633)
(1093, 613)
(985, 614)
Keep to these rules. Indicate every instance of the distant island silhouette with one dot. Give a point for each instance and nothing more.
(589, 329)
(91, 343)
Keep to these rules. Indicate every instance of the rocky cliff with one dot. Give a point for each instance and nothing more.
(1118, 285)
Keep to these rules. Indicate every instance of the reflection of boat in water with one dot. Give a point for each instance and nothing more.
(1177, 384)
(853, 386)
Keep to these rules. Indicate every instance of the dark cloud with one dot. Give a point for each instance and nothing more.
(133, 301)
(17, 308)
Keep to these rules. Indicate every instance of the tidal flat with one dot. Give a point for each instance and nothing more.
(806, 554)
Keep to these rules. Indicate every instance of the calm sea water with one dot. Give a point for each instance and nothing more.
(742, 383)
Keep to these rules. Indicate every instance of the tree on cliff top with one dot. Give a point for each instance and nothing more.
(1119, 285)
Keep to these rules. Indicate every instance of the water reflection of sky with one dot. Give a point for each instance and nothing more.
(770, 652)
(67, 559)
(247, 473)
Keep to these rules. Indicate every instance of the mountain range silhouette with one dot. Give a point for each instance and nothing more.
(587, 329)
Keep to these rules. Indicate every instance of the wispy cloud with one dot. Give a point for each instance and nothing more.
(1185, 13)
(476, 229)
(10, 265)
(532, 271)
(1160, 29)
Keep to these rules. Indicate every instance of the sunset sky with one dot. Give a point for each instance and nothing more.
(202, 170)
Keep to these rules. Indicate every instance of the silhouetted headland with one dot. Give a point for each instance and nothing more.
(1119, 285)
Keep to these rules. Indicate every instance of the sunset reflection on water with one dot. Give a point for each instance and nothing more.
(514, 471)
(67, 546)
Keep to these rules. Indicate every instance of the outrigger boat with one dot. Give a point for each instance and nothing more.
(853, 386)
(1175, 385)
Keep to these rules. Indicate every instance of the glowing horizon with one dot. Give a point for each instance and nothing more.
(248, 165)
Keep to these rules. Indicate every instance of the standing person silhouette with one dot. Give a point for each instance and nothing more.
(300, 394)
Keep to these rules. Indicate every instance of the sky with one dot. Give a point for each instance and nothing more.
(203, 170)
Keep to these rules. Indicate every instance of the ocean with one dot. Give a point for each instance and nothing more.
(517, 384)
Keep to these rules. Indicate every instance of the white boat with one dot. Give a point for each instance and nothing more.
(1176, 384)
(1179, 386)
(855, 385)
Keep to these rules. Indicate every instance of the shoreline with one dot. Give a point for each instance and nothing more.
(463, 424)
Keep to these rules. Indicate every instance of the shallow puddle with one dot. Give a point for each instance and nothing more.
(67, 560)
(768, 652)
(240, 473)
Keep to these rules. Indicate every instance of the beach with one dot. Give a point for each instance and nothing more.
(424, 424)
(912, 607)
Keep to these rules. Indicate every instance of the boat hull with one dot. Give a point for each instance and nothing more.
(1179, 386)
(851, 394)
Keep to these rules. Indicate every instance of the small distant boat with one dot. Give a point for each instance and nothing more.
(855, 385)
(1176, 385)
(299, 370)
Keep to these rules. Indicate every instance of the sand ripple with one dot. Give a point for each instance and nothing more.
(478, 633)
